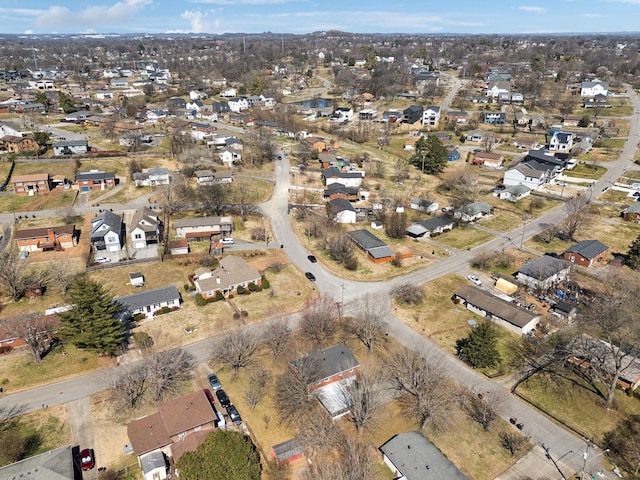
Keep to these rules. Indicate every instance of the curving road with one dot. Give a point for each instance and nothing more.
(540, 429)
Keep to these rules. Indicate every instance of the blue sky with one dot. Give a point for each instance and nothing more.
(303, 16)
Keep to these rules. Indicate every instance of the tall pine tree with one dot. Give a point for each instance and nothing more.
(633, 256)
(91, 323)
(430, 156)
(479, 349)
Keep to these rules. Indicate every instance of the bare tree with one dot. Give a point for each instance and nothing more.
(340, 248)
(130, 385)
(409, 294)
(317, 436)
(369, 323)
(276, 336)
(483, 408)
(577, 214)
(14, 275)
(512, 441)
(293, 398)
(168, 371)
(320, 321)
(234, 350)
(365, 397)
(489, 142)
(396, 225)
(212, 199)
(423, 383)
(34, 329)
(61, 274)
(9, 415)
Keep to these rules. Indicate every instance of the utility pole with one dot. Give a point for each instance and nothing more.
(548, 455)
(526, 219)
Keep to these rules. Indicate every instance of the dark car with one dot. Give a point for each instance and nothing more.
(214, 381)
(222, 398)
(234, 416)
(310, 276)
(313, 259)
(87, 460)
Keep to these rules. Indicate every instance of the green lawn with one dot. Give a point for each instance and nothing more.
(503, 220)
(613, 142)
(463, 237)
(13, 203)
(590, 172)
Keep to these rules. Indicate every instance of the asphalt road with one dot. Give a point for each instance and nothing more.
(559, 441)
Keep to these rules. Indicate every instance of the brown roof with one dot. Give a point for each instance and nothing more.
(186, 413)
(148, 433)
(496, 306)
(181, 243)
(44, 232)
(489, 155)
(33, 177)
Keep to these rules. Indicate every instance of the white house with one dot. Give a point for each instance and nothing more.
(151, 177)
(238, 104)
(561, 141)
(431, 116)
(496, 88)
(342, 210)
(543, 273)
(514, 193)
(197, 95)
(229, 93)
(523, 174)
(154, 466)
(348, 179)
(147, 303)
(591, 89)
(145, 228)
(194, 105)
(230, 155)
(106, 232)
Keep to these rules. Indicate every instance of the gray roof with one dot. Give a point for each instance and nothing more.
(338, 205)
(517, 189)
(95, 175)
(415, 457)
(110, 219)
(52, 465)
(543, 267)
(70, 143)
(477, 207)
(331, 361)
(152, 297)
(633, 208)
(496, 306)
(370, 243)
(201, 221)
(151, 461)
(589, 249)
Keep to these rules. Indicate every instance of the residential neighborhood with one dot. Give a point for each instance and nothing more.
(312, 256)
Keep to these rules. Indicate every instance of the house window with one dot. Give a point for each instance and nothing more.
(138, 236)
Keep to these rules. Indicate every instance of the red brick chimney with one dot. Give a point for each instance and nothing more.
(51, 236)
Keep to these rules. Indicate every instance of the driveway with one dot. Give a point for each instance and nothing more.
(79, 414)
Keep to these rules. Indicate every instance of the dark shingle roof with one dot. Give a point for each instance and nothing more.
(95, 175)
(52, 465)
(496, 306)
(370, 243)
(416, 458)
(543, 267)
(589, 249)
(110, 219)
(152, 297)
(331, 361)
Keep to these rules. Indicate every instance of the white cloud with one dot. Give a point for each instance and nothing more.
(91, 15)
(533, 9)
(244, 2)
(593, 15)
(631, 2)
(29, 12)
(201, 22)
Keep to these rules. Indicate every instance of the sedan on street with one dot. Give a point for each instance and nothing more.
(310, 276)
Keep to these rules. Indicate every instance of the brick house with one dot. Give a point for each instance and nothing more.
(203, 228)
(95, 180)
(586, 253)
(632, 212)
(232, 273)
(31, 184)
(49, 238)
(488, 159)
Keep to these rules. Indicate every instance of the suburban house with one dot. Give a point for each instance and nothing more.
(514, 193)
(632, 212)
(180, 425)
(316, 143)
(204, 177)
(473, 211)
(513, 98)
(529, 143)
(95, 180)
(537, 168)
(431, 116)
(453, 155)
(107, 232)
(591, 89)
(341, 114)
(55, 464)
(497, 310)
(230, 155)
(564, 310)
(48, 238)
(376, 250)
(561, 141)
(70, 147)
(237, 104)
(151, 177)
(523, 174)
(488, 159)
(424, 205)
(543, 273)
(342, 211)
(411, 456)
(334, 368)
(586, 253)
(149, 302)
(31, 184)
(496, 88)
(232, 273)
(412, 114)
(458, 117)
(430, 226)
(348, 179)
(17, 144)
(599, 101)
(339, 190)
(145, 228)
(201, 229)
(494, 118)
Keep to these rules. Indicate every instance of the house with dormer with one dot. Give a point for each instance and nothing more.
(560, 141)
(238, 104)
(431, 116)
(232, 273)
(496, 88)
(107, 232)
(591, 89)
(145, 228)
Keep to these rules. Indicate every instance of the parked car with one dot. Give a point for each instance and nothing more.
(87, 460)
(102, 260)
(234, 416)
(222, 398)
(635, 186)
(214, 381)
(312, 259)
(474, 279)
(209, 396)
(561, 184)
(310, 276)
(227, 241)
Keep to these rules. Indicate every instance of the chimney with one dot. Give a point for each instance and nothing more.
(51, 236)
(217, 279)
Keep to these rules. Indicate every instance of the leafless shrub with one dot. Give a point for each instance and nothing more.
(234, 350)
(276, 336)
(409, 294)
(320, 321)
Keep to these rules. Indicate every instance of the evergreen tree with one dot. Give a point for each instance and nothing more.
(633, 256)
(479, 349)
(430, 156)
(66, 103)
(42, 98)
(224, 455)
(91, 323)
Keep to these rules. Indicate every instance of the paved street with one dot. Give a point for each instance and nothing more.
(540, 429)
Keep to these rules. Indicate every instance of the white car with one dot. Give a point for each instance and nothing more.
(474, 279)
(227, 241)
(102, 260)
(635, 186)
